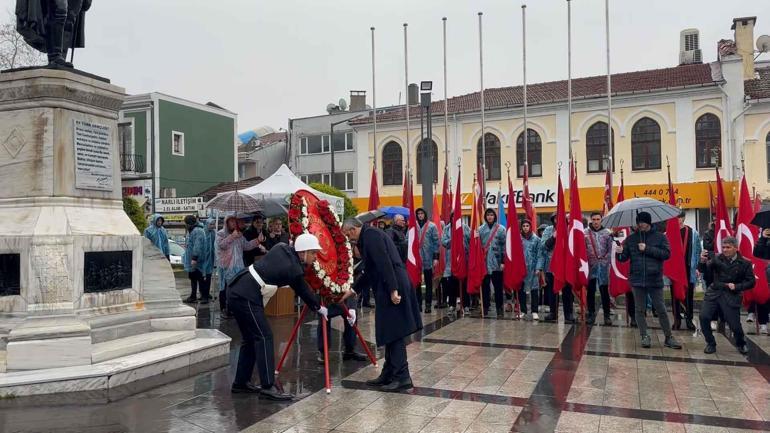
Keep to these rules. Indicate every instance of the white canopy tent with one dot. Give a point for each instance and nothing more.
(276, 190)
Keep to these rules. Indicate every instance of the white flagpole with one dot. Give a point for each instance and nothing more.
(609, 93)
(374, 103)
(446, 110)
(406, 88)
(524, 65)
(569, 77)
(481, 79)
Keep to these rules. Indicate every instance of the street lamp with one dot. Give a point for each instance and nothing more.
(426, 164)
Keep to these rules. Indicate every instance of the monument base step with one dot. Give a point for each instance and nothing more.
(208, 349)
(111, 349)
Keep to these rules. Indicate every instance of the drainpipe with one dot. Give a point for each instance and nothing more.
(746, 106)
(726, 104)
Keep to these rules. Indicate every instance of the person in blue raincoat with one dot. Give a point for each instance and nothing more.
(449, 281)
(195, 257)
(429, 250)
(598, 248)
(209, 262)
(530, 243)
(492, 237)
(157, 234)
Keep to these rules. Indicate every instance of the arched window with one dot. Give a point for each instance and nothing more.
(534, 154)
(433, 156)
(645, 145)
(596, 148)
(492, 154)
(708, 141)
(392, 163)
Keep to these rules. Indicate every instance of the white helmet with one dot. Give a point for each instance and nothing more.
(306, 242)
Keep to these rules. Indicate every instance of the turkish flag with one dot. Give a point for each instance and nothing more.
(406, 194)
(747, 234)
(439, 270)
(607, 193)
(374, 193)
(477, 266)
(619, 270)
(526, 200)
(757, 203)
(481, 196)
(675, 268)
(515, 269)
(413, 259)
(457, 247)
(722, 227)
(560, 250)
(446, 198)
(577, 257)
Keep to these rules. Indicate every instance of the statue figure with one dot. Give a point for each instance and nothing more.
(52, 26)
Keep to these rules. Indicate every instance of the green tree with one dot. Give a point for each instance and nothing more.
(135, 213)
(350, 209)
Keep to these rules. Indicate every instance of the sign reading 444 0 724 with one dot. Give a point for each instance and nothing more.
(93, 156)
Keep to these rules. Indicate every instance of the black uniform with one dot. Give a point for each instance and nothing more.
(762, 251)
(719, 297)
(281, 267)
(385, 271)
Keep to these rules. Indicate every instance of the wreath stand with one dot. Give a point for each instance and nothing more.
(293, 337)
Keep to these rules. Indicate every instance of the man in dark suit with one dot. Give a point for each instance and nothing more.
(731, 275)
(396, 315)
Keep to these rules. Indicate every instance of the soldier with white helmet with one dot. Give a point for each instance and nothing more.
(249, 292)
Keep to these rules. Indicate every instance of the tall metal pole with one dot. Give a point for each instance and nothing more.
(609, 93)
(524, 65)
(446, 108)
(331, 149)
(569, 77)
(481, 79)
(406, 88)
(374, 104)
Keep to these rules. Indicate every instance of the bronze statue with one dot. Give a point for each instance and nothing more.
(52, 26)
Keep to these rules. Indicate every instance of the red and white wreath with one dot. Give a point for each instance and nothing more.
(331, 275)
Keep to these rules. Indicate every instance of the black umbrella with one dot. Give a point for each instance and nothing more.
(370, 216)
(762, 218)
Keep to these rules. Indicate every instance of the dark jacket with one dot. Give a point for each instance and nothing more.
(762, 248)
(271, 241)
(723, 271)
(385, 272)
(250, 234)
(708, 240)
(399, 239)
(281, 267)
(646, 266)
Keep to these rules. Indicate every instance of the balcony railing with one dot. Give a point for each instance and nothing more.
(131, 163)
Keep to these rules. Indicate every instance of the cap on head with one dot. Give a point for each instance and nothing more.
(644, 217)
(306, 242)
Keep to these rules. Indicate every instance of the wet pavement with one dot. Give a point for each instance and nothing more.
(470, 375)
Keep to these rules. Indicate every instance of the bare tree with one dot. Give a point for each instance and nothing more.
(14, 52)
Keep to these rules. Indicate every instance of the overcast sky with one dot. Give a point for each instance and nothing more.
(271, 60)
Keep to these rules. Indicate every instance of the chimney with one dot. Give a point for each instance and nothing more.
(357, 100)
(689, 47)
(414, 94)
(744, 42)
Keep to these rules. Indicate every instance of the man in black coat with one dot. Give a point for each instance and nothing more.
(731, 275)
(647, 249)
(397, 233)
(396, 315)
(283, 265)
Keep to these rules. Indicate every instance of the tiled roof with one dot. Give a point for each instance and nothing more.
(556, 91)
(228, 186)
(759, 88)
(273, 137)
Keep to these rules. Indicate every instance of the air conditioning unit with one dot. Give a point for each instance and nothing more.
(689, 47)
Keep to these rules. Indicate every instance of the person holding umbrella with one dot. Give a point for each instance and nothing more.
(647, 249)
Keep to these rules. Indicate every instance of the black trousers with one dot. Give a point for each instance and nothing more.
(451, 290)
(348, 335)
(205, 285)
(732, 315)
(535, 301)
(676, 307)
(495, 279)
(547, 291)
(396, 366)
(762, 313)
(197, 280)
(256, 342)
(605, 295)
(427, 275)
(567, 299)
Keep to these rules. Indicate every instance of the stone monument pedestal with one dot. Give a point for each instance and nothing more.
(85, 301)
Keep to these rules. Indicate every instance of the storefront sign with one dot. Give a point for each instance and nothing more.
(179, 204)
(93, 156)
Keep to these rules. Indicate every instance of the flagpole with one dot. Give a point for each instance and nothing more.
(374, 103)
(524, 66)
(569, 77)
(609, 92)
(406, 88)
(481, 80)
(446, 109)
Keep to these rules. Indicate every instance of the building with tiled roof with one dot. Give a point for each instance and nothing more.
(697, 116)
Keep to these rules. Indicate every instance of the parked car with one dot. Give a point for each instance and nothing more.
(176, 252)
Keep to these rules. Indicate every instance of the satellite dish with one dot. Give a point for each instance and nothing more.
(763, 44)
(343, 104)
(330, 108)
